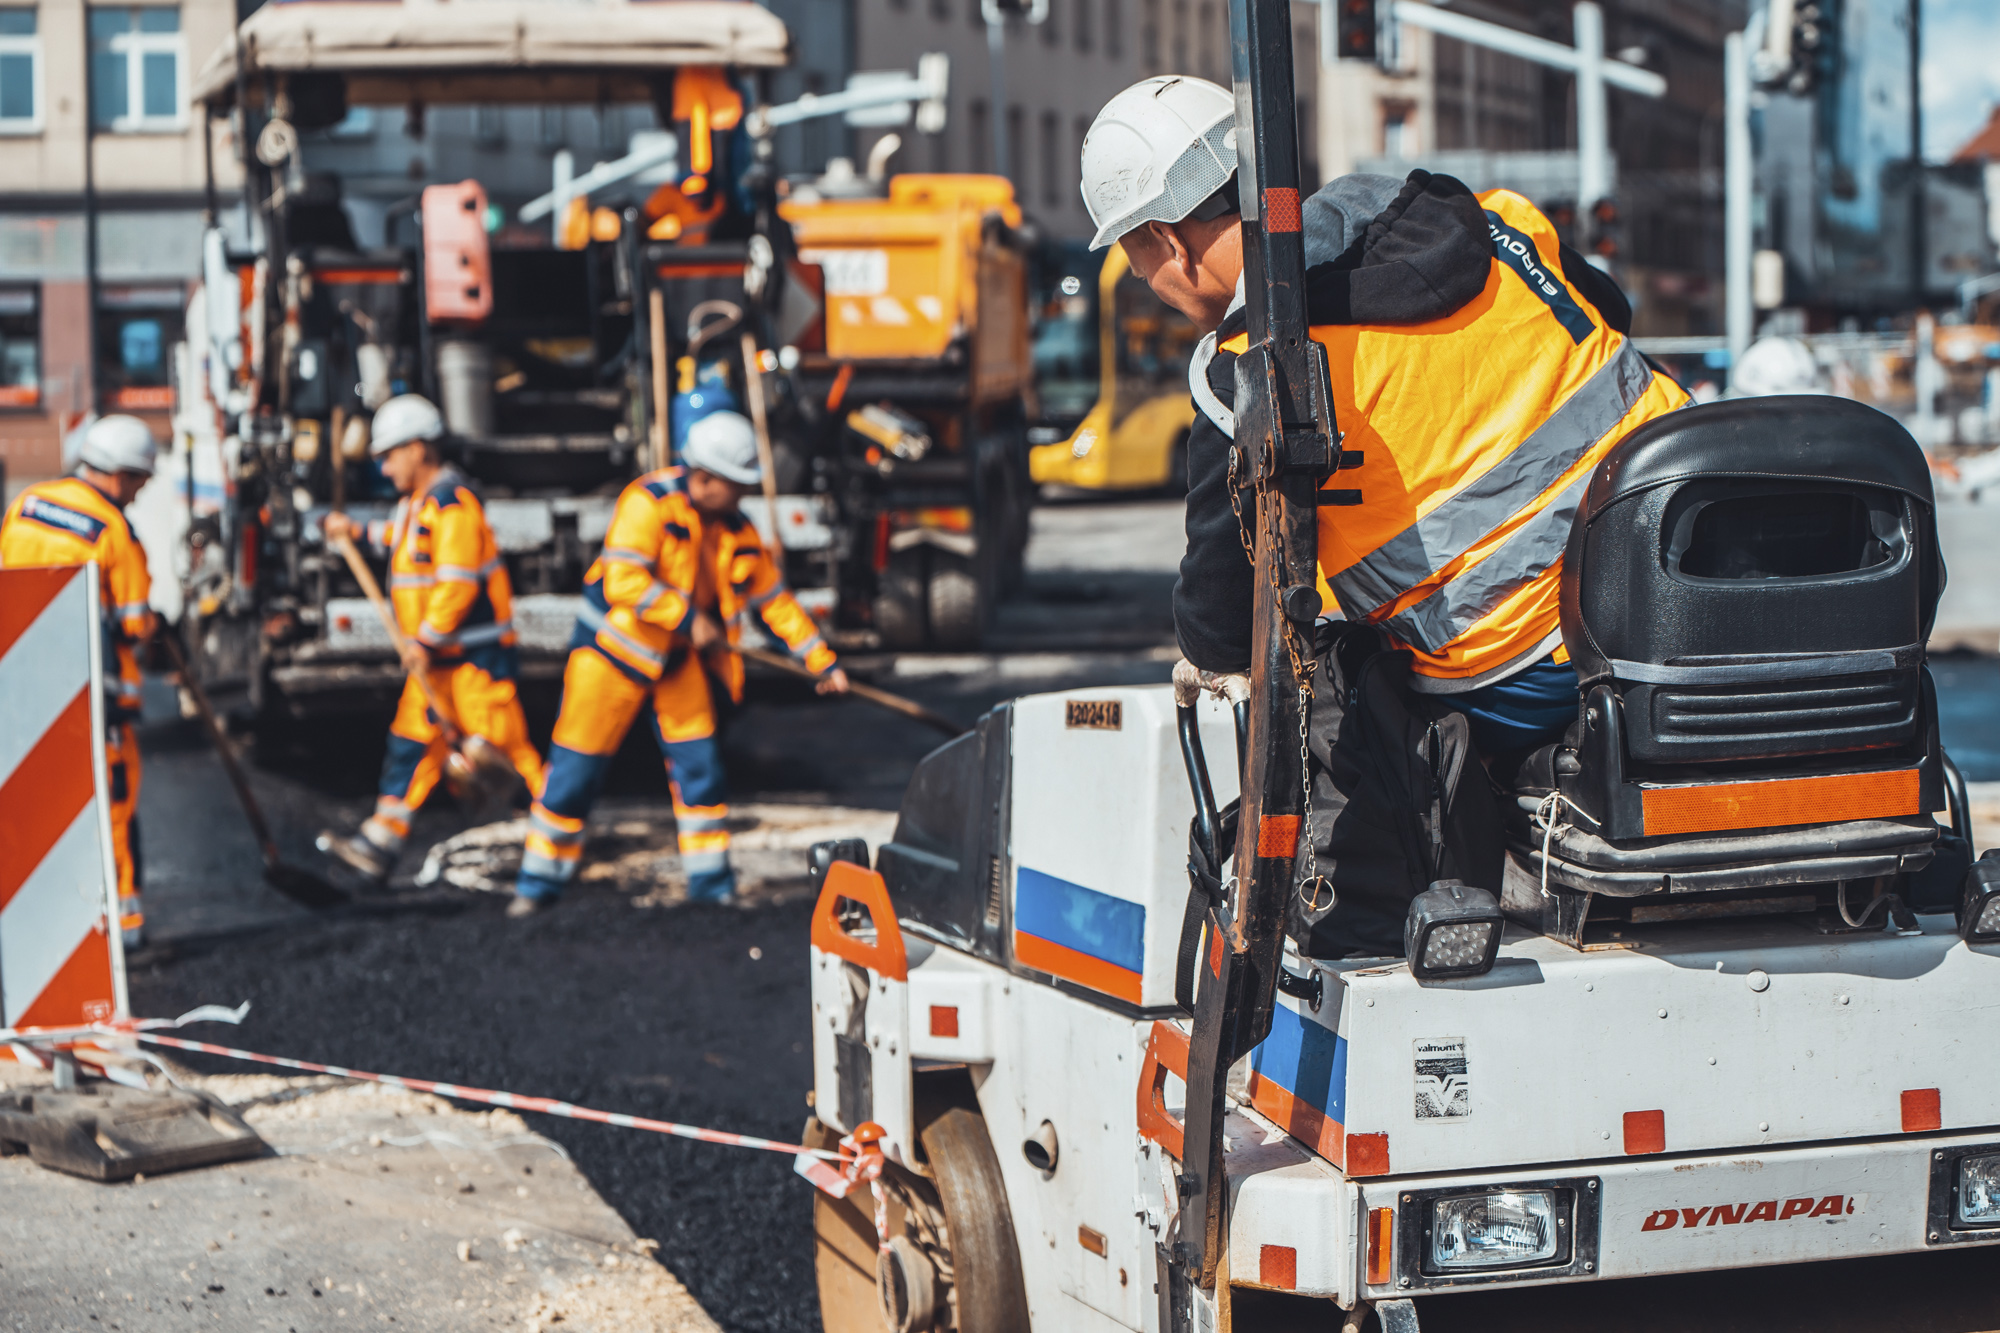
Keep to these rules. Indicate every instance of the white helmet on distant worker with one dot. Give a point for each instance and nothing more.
(1775, 364)
(118, 444)
(725, 444)
(406, 417)
(1159, 152)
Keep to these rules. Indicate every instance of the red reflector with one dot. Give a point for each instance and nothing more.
(1741, 805)
(1921, 1110)
(1645, 1131)
(1381, 1244)
(1278, 1266)
(1278, 835)
(944, 1020)
(1367, 1154)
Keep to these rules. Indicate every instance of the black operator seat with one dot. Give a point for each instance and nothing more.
(1747, 592)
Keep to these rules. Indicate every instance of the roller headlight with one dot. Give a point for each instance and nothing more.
(1979, 913)
(1979, 1191)
(1453, 930)
(1507, 1229)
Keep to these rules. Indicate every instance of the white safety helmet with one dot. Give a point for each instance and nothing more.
(1775, 365)
(1158, 152)
(118, 444)
(724, 443)
(406, 417)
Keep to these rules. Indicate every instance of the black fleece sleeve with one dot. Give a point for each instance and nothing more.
(1212, 596)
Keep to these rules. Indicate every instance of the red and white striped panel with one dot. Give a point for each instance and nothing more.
(61, 961)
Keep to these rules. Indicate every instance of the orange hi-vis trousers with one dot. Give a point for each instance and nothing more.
(121, 765)
(482, 705)
(601, 700)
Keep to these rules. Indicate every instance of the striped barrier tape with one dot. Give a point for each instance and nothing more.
(810, 1162)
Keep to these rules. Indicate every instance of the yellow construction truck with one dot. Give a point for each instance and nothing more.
(1111, 375)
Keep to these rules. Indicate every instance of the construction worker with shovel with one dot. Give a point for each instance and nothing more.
(74, 520)
(681, 574)
(453, 608)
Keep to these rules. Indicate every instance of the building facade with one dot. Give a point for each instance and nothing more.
(93, 102)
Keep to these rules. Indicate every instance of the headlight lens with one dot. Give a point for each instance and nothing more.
(1989, 918)
(1501, 1230)
(1453, 948)
(1979, 1190)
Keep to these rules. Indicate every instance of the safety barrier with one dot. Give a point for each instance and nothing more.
(61, 958)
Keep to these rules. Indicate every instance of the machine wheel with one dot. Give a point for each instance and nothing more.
(901, 600)
(843, 1253)
(988, 1293)
(958, 600)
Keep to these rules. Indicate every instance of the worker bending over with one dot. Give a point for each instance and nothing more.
(681, 574)
(1479, 371)
(454, 604)
(81, 518)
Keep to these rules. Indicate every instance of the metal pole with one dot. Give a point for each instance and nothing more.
(1592, 145)
(996, 53)
(1736, 194)
(1919, 242)
(562, 171)
(89, 218)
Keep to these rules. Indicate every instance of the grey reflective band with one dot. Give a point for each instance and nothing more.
(1467, 518)
(457, 574)
(1804, 666)
(601, 624)
(625, 555)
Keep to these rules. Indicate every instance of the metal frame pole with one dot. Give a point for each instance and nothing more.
(1737, 312)
(1592, 134)
(1285, 446)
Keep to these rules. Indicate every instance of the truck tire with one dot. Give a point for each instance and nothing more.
(844, 1249)
(958, 601)
(989, 1293)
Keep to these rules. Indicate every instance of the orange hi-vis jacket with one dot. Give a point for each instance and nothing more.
(71, 522)
(663, 561)
(1477, 432)
(446, 578)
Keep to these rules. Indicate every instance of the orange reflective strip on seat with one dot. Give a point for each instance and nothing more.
(1745, 805)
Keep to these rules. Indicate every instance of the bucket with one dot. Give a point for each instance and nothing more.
(465, 383)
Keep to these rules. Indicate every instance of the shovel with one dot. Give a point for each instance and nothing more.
(300, 885)
(476, 769)
(895, 703)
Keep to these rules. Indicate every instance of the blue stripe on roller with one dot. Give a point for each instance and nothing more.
(1109, 929)
(1306, 1060)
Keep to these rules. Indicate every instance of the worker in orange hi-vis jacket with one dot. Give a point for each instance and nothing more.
(681, 575)
(71, 521)
(454, 605)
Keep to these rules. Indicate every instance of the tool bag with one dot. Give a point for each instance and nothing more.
(1399, 799)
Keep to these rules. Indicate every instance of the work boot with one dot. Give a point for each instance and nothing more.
(528, 906)
(357, 853)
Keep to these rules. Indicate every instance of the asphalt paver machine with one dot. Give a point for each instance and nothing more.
(1729, 1008)
(569, 358)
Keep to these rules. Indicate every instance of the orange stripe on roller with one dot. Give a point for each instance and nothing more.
(44, 794)
(1301, 1119)
(28, 592)
(1278, 835)
(1058, 961)
(1744, 805)
(80, 991)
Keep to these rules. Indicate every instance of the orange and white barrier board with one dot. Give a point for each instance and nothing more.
(61, 958)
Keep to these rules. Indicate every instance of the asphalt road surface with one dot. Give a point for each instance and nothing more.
(628, 999)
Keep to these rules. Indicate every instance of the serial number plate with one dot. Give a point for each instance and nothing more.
(1093, 714)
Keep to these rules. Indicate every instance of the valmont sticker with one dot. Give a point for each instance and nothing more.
(1829, 1208)
(1443, 1087)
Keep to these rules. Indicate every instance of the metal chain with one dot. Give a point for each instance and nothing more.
(1243, 533)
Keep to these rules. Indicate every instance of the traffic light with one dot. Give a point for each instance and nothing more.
(1604, 230)
(1355, 26)
(1812, 44)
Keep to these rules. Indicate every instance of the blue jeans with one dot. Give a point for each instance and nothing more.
(1523, 712)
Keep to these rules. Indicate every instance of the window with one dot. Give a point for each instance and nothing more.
(1051, 161)
(979, 135)
(1114, 29)
(940, 9)
(1180, 36)
(549, 128)
(137, 328)
(1149, 35)
(20, 347)
(20, 73)
(489, 126)
(1399, 136)
(1084, 36)
(136, 59)
(1017, 149)
(1052, 25)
